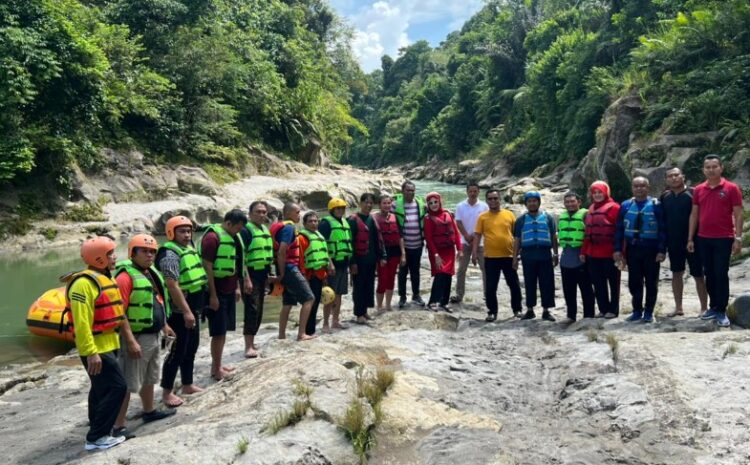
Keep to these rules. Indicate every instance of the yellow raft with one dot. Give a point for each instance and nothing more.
(45, 314)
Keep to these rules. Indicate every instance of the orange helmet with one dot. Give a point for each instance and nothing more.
(94, 251)
(176, 222)
(142, 240)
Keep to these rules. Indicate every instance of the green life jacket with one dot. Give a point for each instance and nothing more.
(571, 228)
(316, 254)
(226, 256)
(192, 275)
(259, 254)
(401, 213)
(140, 309)
(340, 240)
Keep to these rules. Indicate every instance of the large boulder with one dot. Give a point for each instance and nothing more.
(739, 311)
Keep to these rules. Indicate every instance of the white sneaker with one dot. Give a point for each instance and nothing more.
(104, 442)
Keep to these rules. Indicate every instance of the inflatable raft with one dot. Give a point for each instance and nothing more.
(43, 318)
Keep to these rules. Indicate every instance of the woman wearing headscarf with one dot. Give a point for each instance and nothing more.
(443, 240)
(598, 249)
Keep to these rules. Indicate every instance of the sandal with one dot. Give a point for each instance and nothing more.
(674, 314)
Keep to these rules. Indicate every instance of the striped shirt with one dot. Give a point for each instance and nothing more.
(412, 232)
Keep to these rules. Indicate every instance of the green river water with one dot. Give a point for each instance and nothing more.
(25, 276)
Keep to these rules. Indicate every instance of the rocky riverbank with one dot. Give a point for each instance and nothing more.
(129, 196)
(509, 392)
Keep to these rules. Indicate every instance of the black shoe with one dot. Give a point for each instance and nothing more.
(122, 432)
(402, 302)
(155, 415)
(548, 316)
(491, 317)
(418, 300)
(529, 315)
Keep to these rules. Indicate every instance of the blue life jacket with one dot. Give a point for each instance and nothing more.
(536, 231)
(641, 224)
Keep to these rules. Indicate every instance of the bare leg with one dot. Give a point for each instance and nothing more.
(388, 298)
(326, 317)
(304, 314)
(336, 312)
(677, 289)
(283, 318)
(379, 300)
(147, 397)
(217, 349)
(700, 286)
(120, 421)
(250, 351)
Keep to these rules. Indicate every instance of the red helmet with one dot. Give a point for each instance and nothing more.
(142, 240)
(176, 222)
(94, 251)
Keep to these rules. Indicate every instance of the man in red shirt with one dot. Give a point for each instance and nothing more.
(717, 218)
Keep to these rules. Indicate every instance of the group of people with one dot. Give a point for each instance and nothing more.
(119, 309)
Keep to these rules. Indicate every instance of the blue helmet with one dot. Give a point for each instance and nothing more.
(532, 195)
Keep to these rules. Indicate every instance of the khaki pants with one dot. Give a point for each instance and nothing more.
(463, 265)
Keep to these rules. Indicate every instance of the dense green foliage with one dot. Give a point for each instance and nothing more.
(179, 79)
(528, 80)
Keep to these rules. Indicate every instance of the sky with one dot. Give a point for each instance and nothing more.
(383, 26)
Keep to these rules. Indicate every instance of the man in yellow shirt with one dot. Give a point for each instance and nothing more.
(95, 304)
(496, 225)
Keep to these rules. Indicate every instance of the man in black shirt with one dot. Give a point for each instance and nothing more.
(677, 203)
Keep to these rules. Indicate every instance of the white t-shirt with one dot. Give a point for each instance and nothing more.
(468, 214)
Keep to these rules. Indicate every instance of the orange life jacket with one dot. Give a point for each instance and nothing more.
(599, 228)
(443, 233)
(108, 310)
(389, 235)
(292, 253)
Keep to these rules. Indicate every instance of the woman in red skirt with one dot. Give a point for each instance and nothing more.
(443, 240)
(391, 249)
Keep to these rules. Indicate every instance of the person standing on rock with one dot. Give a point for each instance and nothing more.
(392, 251)
(315, 263)
(535, 243)
(677, 203)
(467, 213)
(641, 240)
(715, 229)
(335, 228)
(296, 288)
(496, 227)
(146, 302)
(223, 255)
(366, 255)
(410, 212)
(258, 261)
(186, 282)
(599, 247)
(570, 232)
(443, 241)
(96, 313)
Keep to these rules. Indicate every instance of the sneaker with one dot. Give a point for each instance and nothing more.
(529, 315)
(402, 302)
(648, 316)
(104, 442)
(722, 320)
(609, 315)
(418, 300)
(710, 314)
(122, 432)
(635, 316)
(155, 415)
(547, 316)
(491, 317)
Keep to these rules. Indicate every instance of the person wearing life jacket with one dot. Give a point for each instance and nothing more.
(392, 252)
(570, 232)
(258, 259)
(186, 280)
(410, 213)
(598, 249)
(535, 243)
(95, 305)
(145, 299)
(443, 242)
(288, 260)
(223, 254)
(641, 240)
(335, 228)
(365, 258)
(315, 264)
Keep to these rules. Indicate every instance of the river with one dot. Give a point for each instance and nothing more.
(25, 276)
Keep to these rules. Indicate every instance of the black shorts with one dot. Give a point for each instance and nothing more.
(296, 288)
(677, 258)
(339, 282)
(225, 318)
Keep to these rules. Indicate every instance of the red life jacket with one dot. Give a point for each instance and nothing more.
(599, 228)
(361, 237)
(108, 310)
(388, 229)
(443, 233)
(292, 252)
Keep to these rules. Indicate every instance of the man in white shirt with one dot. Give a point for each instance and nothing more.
(467, 213)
